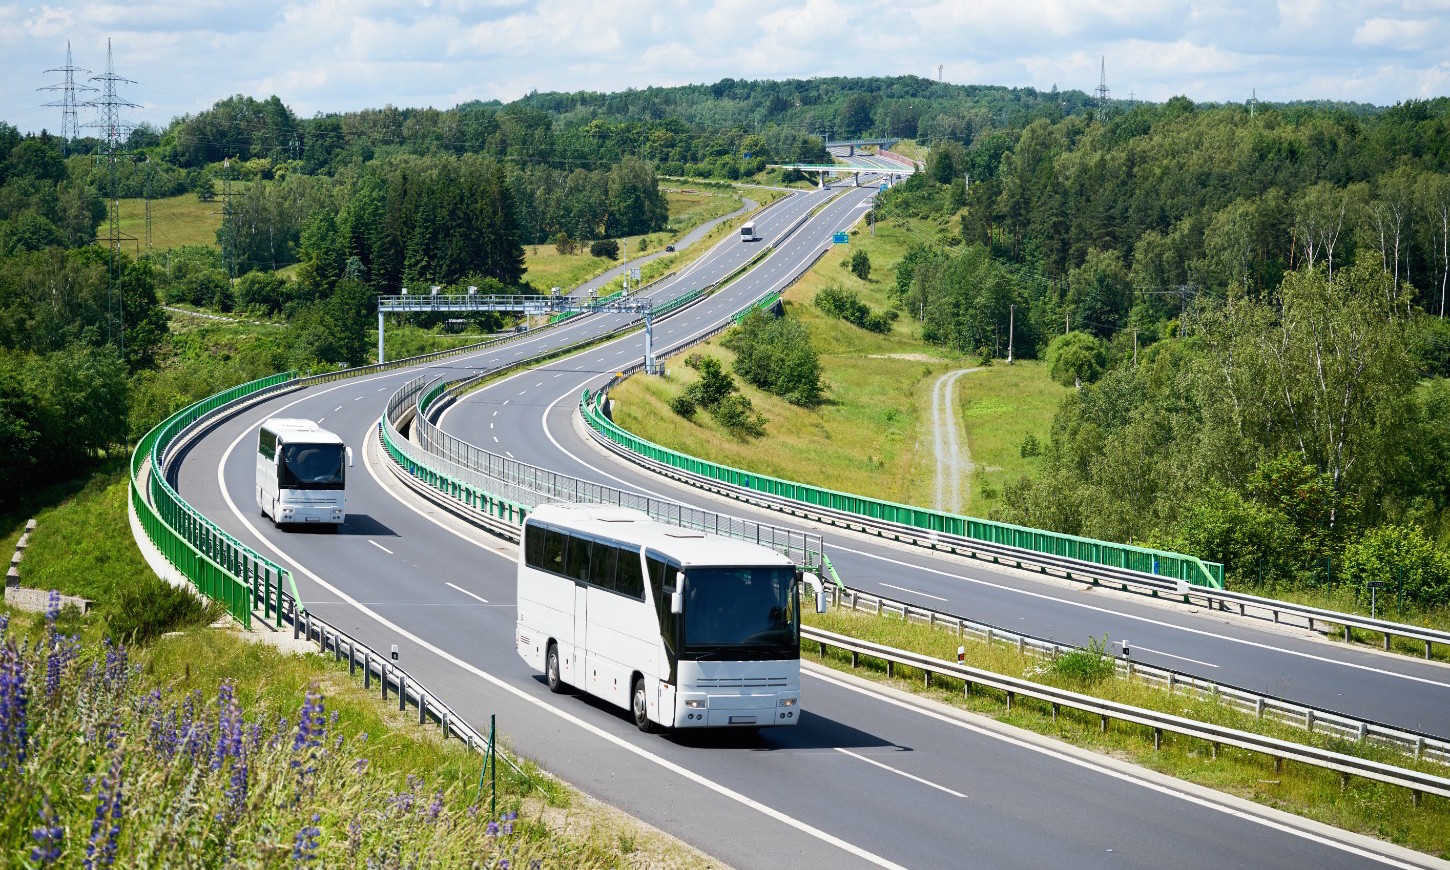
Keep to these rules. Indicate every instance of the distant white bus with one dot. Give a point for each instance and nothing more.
(681, 628)
(301, 473)
(747, 232)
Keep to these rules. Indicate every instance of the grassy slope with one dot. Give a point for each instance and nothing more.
(872, 436)
(175, 221)
(82, 545)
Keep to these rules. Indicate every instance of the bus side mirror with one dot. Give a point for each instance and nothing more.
(814, 582)
(349, 457)
(677, 598)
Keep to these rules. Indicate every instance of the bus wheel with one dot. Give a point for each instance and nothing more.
(551, 669)
(639, 708)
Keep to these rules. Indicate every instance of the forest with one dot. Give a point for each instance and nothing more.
(1248, 298)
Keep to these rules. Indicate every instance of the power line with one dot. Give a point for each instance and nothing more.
(69, 127)
(110, 104)
(1102, 88)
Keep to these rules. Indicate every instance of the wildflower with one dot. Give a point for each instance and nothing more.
(229, 726)
(491, 829)
(14, 704)
(52, 606)
(48, 836)
(360, 765)
(435, 809)
(304, 846)
(116, 670)
(106, 826)
(310, 723)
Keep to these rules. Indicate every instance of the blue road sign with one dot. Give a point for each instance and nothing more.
(839, 239)
(883, 187)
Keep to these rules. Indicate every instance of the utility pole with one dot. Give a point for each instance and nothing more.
(1102, 89)
(113, 127)
(1135, 349)
(149, 172)
(69, 128)
(938, 73)
(1067, 323)
(1011, 327)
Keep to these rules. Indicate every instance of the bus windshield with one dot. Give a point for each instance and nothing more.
(311, 466)
(741, 612)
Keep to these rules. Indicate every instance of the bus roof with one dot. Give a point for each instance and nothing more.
(626, 525)
(297, 430)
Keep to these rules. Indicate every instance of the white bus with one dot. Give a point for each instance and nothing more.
(681, 628)
(747, 232)
(301, 472)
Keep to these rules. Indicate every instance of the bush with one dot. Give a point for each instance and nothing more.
(683, 404)
(775, 354)
(563, 244)
(1403, 558)
(147, 609)
(1030, 447)
(847, 305)
(1084, 667)
(861, 265)
(606, 248)
(1076, 358)
(736, 413)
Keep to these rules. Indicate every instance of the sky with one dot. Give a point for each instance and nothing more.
(340, 55)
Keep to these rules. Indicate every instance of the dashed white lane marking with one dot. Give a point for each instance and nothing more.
(1159, 652)
(912, 591)
(380, 546)
(899, 772)
(466, 592)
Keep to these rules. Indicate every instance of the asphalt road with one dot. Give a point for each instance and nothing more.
(866, 779)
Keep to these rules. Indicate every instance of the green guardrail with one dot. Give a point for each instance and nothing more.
(1190, 569)
(474, 497)
(762, 304)
(220, 566)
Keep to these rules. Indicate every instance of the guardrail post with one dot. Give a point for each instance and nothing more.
(1054, 713)
(1157, 739)
(890, 669)
(1010, 696)
(1414, 797)
(351, 658)
(1104, 724)
(422, 709)
(1309, 721)
(367, 670)
(383, 678)
(402, 694)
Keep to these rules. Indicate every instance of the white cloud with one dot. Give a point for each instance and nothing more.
(337, 55)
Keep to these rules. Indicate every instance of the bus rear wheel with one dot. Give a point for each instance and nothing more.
(551, 669)
(639, 708)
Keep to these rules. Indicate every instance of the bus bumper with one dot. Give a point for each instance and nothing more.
(702, 710)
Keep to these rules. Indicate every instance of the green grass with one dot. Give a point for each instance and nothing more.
(1361, 805)
(82, 545)
(872, 434)
(175, 221)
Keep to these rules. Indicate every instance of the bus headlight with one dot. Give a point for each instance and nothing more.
(694, 704)
(787, 702)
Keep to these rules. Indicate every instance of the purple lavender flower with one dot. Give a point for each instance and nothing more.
(48, 837)
(435, 808)
(304, 846)
(117, 671)
(229, 726)
(237, 788)
(14, 706)
(311, 723)
(52, 606)
(106, 826)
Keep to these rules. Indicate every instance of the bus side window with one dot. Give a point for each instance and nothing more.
(576, 559)
(553, 560)
(628, 579)
(601, 567)
(267, 444)
(534, 546)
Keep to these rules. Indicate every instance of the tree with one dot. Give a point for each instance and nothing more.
(1076, 358)
(775, 354)
(1099, 293)
(606, 248)
(855, 116)
(861, 265)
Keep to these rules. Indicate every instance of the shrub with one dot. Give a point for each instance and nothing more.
(607, 248)
(1081, 668)
(1075, 358)
(683, 404)
(861, 265)
(1403, 558)
(148, 608)
(736, 413)
(1030, 447)
(563, 244)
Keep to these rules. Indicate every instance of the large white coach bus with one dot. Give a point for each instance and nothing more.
(301, 472)
(681, 628)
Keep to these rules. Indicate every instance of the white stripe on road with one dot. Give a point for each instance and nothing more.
(466, 592)
(913, 592)
(380, 546)
(900, 772)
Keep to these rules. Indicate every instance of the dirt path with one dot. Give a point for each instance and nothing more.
(953, 456)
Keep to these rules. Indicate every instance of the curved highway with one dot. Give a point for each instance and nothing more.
(866, 779)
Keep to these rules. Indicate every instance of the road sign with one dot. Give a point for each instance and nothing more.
(839, 239)
(883, 186)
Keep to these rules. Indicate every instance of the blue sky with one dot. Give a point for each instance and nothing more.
(331, 55)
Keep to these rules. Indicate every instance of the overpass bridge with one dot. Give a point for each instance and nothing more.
(893, 173)
(852, 144)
